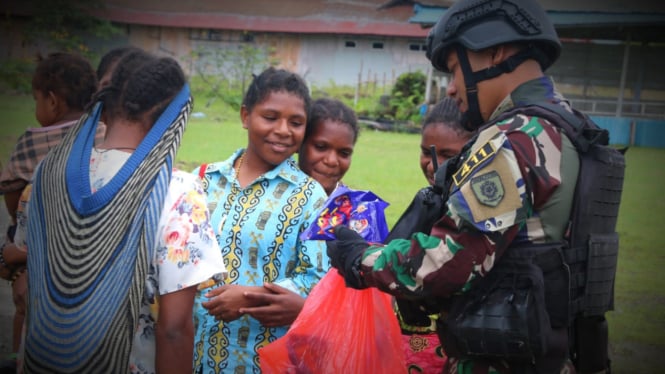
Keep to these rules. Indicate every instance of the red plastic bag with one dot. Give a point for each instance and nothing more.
(339, 330)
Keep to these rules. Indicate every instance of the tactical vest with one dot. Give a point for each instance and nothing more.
(513, 312)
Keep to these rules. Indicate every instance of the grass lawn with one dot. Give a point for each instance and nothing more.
(387, 164)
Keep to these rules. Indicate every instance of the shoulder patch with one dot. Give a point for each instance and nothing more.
(492, 193)
(471, 163)
(488, 188)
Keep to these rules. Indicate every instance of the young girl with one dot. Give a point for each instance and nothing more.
(441, 128)
(260, 202)
(62, 86)
(331, 134)
(127, 240)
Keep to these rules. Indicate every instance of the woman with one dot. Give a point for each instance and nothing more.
(118, 240)
(260, 202)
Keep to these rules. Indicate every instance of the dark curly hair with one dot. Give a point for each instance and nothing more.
(276, 80)
(68, 76)
(333, 110)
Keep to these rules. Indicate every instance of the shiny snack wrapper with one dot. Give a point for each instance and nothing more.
(361, 211)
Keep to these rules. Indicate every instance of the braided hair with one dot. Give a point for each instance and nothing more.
(446, 113)
(142, 86)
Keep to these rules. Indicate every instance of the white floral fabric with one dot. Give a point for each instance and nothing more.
(187, 253)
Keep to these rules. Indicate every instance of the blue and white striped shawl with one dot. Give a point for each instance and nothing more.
(89, 253)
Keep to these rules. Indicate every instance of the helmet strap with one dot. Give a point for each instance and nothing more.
(471, 119)
(505, 66)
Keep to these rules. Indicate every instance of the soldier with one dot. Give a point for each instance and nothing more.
(492, 264)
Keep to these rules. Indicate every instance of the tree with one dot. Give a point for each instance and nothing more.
(226, 70)
(61, 25)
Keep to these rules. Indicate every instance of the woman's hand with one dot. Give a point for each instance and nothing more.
(278, 307)
(226, 301)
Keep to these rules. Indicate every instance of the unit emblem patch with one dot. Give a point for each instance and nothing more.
(488, 188)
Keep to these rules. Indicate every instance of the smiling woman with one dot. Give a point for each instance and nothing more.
(259, 202)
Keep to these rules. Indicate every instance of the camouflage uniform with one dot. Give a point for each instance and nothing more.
(510, 190)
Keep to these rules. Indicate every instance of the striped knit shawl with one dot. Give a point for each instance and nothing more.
(89, 254)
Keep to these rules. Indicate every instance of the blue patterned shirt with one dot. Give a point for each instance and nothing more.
(257, 229)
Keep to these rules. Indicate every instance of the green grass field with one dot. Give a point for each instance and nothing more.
(387, 164)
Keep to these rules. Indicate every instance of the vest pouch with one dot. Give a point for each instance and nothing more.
(503, 316)
(601, 269)
(556, 277)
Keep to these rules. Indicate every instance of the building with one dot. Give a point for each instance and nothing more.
(610, 65)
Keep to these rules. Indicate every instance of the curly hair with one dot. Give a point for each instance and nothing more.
(68, 76)
(333, 110)
(276, 80)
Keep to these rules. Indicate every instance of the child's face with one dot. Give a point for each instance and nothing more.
(448, 143)
(326, 154)
(276, 128)
(44, 107)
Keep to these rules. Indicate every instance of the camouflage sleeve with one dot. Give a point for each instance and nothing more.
(491, 202)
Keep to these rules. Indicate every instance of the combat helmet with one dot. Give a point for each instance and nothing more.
(480, 24)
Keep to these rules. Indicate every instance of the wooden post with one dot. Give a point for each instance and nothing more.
(357, 91)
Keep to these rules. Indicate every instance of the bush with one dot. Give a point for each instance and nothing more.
(407, 95)
(16, 75)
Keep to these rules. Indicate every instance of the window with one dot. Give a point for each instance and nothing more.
(221, 35)
(377, 45)
(350, 44)
(417, 47)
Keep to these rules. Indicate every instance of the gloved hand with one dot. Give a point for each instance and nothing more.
(346, 254)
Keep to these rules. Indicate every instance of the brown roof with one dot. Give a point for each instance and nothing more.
(289, 16)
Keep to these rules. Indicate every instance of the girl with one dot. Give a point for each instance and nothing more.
(331, 134)
(441, 128)
(128, 239)
(260, 202)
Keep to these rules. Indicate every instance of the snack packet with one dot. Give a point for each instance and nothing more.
(361, 211)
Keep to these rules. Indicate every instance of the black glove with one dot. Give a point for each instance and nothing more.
(346, 254)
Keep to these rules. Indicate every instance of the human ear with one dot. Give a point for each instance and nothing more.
(498, 54)
(244, 117)
(54, 104)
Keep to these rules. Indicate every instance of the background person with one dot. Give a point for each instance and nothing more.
(442, 129)
(125, 240)
(326, 152)
(62, 85)
(260, 202)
